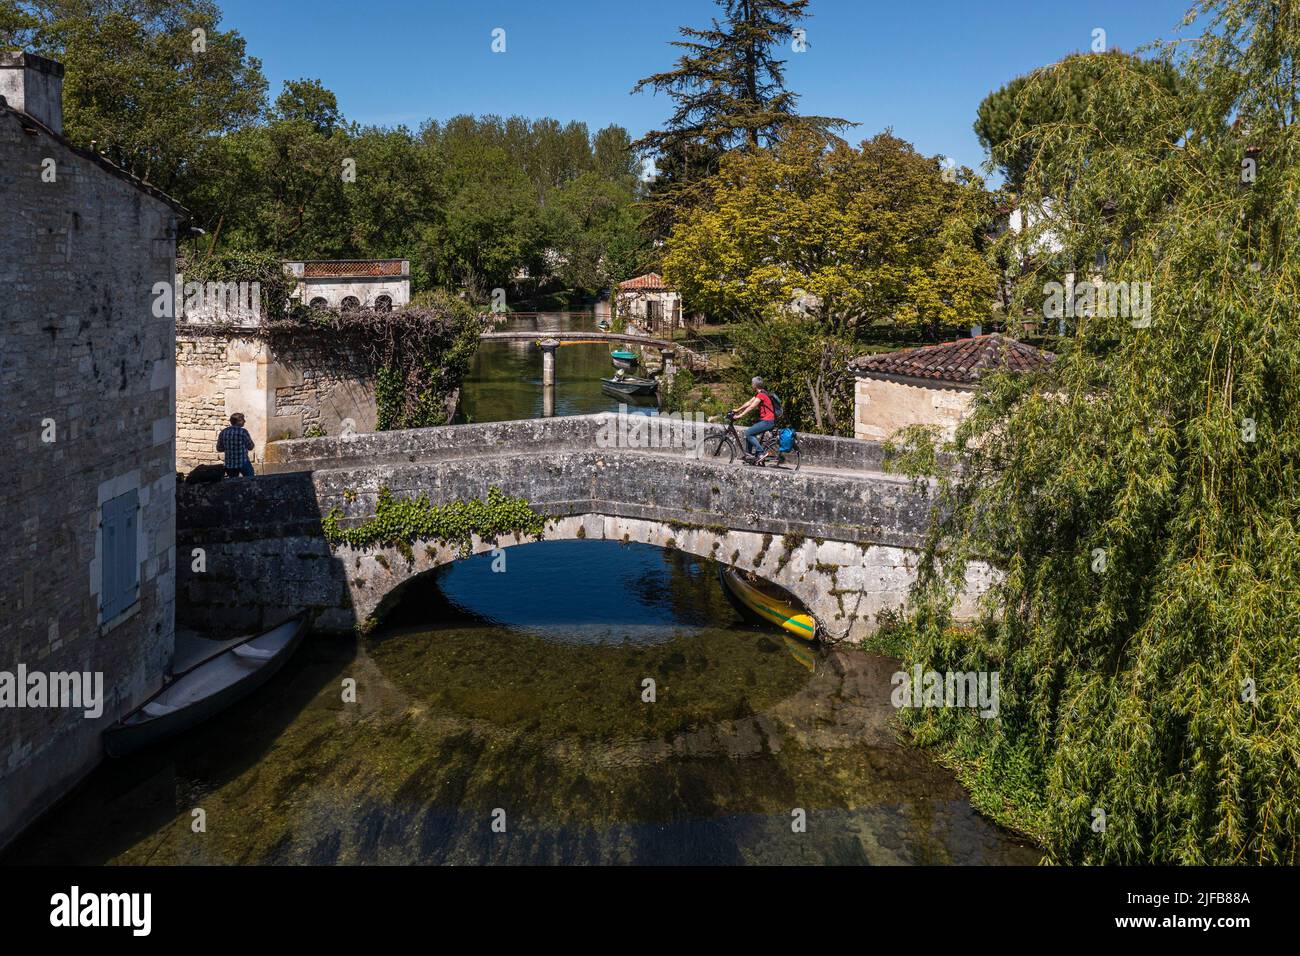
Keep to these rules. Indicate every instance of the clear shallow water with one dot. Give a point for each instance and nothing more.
(505, 380)
(521, 692)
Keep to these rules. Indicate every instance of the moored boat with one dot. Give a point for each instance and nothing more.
(629, 385)
(767, 607)
(206, 689)
(624, 359)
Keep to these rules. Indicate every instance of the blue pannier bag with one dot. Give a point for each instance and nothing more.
(787, 439)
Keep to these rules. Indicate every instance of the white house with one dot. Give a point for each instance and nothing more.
(380, 284)
(648, 302)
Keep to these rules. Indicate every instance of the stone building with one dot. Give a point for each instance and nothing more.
(379, 284)
(933, 384)
(646, 301)
(87, 575)
(284, 392)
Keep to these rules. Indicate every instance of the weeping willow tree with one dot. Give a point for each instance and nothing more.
(1141, 497)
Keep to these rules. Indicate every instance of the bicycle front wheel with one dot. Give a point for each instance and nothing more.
(716, 445)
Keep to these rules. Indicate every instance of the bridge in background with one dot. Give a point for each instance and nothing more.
(578, 336)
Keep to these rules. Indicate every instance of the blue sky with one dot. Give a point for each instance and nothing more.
(919, 66)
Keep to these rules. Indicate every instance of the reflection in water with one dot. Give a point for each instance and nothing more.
(524, 691)
(505, 380)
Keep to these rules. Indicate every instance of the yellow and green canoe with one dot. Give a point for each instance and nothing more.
(768, 607)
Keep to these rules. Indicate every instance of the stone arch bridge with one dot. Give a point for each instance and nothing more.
(840, 534)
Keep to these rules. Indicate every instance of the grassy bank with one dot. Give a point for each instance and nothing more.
(995, 759)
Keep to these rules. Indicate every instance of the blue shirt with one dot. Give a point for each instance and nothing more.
(235, 441)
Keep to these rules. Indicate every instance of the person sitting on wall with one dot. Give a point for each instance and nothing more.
(236, 443)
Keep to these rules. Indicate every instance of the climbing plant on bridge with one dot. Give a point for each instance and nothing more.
(404, 520)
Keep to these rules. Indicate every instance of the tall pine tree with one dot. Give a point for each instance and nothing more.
(729, 89)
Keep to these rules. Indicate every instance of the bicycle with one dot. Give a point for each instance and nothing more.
(733, 442)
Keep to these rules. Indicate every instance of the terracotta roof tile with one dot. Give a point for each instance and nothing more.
(351, 268)
(962, 362)
(651, 280)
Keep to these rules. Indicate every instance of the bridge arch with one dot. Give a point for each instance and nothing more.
(842, 585)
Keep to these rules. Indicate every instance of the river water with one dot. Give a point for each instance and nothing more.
(505, 381)
(587, 702)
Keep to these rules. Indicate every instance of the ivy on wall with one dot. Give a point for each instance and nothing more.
(397, 521)
(416, 356)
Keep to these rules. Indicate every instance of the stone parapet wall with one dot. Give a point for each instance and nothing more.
(253, 552)
(528, 436)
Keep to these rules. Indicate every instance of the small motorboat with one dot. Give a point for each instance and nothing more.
(763, 604)
(624, 359)
(628, 385)
(206, 689)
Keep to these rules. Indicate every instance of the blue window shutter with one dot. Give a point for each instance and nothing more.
(121, 583)
(108, 555)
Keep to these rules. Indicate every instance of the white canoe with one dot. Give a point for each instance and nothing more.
(206, 689)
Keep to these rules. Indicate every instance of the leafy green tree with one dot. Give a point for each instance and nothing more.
(1140, 499)
(280, 185)
(804, 365)
(136, 85)
(396, 205)
(310, 101)
(612, 155)
(728, 87)
(491, 225)
(594, 230)
(1062, 94)
(875, 233)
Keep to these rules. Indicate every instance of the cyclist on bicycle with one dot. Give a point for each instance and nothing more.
(766, 418)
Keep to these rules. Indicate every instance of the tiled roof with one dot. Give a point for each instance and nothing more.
(961, 363)
(351, 268)
(651, 280)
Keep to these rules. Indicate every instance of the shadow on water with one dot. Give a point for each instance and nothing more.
(520, 698)
(127, 806)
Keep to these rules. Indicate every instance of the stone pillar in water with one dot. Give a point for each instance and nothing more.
(548, 376)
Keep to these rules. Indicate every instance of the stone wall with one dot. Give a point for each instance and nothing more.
(881, 408)
(286, 393)
(252, 552)
(87, 378)
(365, 290)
